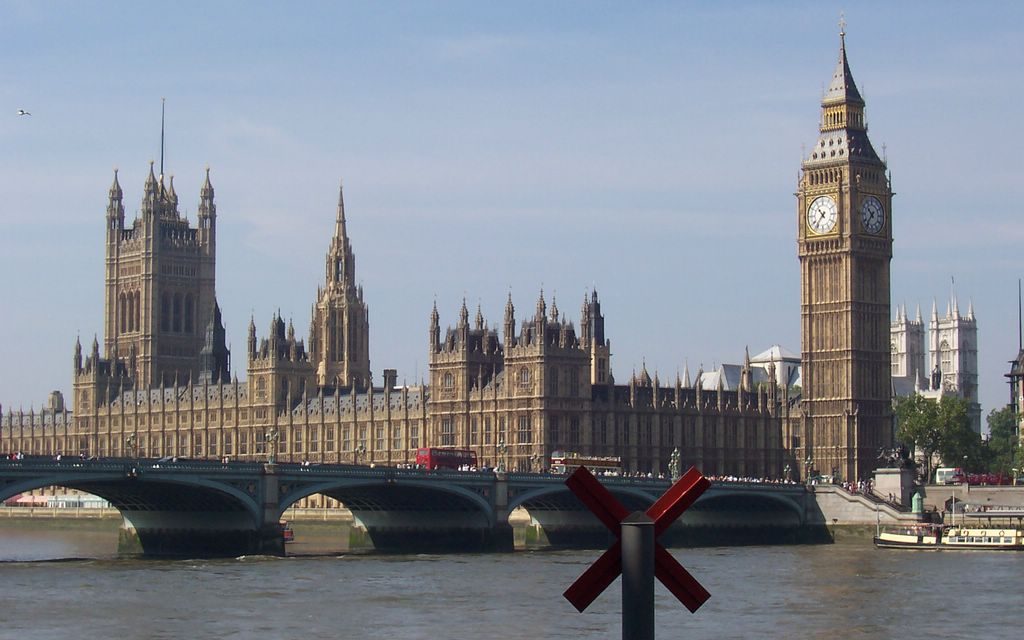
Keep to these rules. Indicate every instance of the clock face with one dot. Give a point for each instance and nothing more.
(821, 215)
(872, 215)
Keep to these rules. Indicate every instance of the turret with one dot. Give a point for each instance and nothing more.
(150, 196)
(463, 327)
(747, 374)
(172, 195)
(115, 210)
(435, 330)
(207, 214)
(540, 320)
(252, 337)
(78, 356)
(510, 322)
(585, 336)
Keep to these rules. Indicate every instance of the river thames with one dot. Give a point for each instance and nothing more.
(63, 582)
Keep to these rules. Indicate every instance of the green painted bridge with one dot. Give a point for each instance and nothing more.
(208, 508)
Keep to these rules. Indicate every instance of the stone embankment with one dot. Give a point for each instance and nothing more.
(839, 507)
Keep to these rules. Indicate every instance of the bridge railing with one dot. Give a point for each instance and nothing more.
(382, 472)
(49, 465)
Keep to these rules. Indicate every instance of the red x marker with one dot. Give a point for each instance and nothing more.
(611, 512)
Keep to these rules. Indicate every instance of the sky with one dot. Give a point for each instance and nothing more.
(648, 150)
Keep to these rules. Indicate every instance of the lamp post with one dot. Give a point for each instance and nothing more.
(272, 437)
(129, 444)
(358, 451)
(673, 465)
(502, 454)
(535, 462)
(808, 468)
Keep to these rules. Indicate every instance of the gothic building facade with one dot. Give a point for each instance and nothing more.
(548, 388)
(162, 387)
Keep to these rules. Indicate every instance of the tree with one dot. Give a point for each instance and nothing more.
(1003, 443)
(958, 441)
(942, 427)
(917, 426)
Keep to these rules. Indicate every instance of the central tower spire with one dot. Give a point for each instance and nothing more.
(340, 261)
(340, 328)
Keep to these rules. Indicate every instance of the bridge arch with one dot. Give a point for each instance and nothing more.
(356, 489)
(150, 492)
(725, 500)
(560, 495)
(404, 510)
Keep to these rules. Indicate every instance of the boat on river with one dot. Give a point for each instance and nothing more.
(937, 537)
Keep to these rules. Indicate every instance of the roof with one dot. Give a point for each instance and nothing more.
(839, 144)
(775, 353)
(842, 88)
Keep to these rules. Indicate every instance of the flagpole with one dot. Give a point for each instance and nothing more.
(162, 101)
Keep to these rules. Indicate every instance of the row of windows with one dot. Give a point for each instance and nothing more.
(177, 313)
(248, 441)
(129, 312)
(566, 431)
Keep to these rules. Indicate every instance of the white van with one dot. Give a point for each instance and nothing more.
(949, 475)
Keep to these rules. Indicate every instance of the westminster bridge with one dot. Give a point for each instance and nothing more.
(195, 507)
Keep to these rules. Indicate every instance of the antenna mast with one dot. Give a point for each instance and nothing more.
(1020, 342)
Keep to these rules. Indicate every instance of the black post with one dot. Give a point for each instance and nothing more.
(638, 577)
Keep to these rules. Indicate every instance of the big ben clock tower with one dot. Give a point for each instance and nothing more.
(844, 237)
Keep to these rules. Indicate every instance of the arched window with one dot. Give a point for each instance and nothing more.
(129, 312)
(122, 314)
(177, 313)
(165, 312)
(189, 321)
(449, 381)
(137, 325)
(524, 376)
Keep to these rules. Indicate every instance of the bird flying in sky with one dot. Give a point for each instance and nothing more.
(22, 112)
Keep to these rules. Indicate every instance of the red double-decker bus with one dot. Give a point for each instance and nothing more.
(438, 458)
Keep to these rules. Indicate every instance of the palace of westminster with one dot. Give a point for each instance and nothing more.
(161, 384)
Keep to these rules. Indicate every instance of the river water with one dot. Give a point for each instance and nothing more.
(844, 590)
